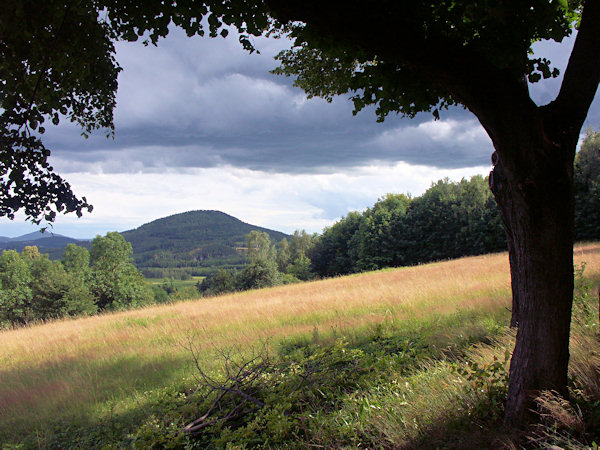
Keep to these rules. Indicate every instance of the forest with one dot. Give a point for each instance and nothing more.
(194, 243)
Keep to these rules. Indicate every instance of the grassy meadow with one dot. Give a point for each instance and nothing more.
(102, 379)
(178, 284)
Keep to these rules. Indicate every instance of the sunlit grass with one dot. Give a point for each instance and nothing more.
(85, 367)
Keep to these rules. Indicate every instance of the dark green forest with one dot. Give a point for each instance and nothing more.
(193, 243)
(450, 220)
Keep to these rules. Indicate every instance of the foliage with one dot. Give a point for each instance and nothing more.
(259, 274)
(192, 243)
(376, 241)
(34, 288)
(58, 293)
(221, 282)
(116, 283)
(587, 188)
(15, 293)
(268, 265)
(478, 54)
(301, 243)
(258, 247)
(283, 256)
(328, 62)
(53, 79)
(160, 295)
(58, 63)
(300, 268)
(449, 220)
(332, 254)
(489, 379)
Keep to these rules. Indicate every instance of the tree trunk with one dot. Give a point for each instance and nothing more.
(536, 205)
(498, 182)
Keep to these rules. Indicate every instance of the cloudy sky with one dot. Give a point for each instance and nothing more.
(201, 124)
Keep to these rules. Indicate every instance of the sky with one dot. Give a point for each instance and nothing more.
(202, 124)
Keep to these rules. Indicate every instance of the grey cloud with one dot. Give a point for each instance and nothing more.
(206, 103)
(284, 148)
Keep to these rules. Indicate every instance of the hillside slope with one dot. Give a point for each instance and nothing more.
(201, 240)
(101, 373)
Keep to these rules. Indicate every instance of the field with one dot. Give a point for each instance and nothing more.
(177, 284)
(177, 289)
(108, 373)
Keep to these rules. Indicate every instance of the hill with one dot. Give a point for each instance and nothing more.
(36, 235)
(53, 244)
(196, 241)
(393, 375)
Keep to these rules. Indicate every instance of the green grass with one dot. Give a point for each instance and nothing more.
(399, 358)
(386, 356)
(177, 284)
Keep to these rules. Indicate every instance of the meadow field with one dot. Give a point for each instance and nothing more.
(178, 284)
(110, 373)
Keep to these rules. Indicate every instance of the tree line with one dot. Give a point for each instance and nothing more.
(268, 264)
(450, 220)
(34, 288)
(586, 179)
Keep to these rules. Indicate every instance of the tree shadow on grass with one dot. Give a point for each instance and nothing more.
(36, 402)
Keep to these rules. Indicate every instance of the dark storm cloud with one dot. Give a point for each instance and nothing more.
(206, 103)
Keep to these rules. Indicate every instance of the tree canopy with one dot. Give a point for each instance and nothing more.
(410, 57)
(57, 62)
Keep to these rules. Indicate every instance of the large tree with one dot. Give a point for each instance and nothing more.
(57, 60)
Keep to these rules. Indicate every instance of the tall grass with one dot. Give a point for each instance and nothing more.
(85, 370)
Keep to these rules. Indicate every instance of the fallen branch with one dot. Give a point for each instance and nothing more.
(241, 383)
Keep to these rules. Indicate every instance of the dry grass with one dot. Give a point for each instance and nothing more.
(71, 367)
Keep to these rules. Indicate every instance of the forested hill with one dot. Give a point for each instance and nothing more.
(52, 244)
(196, 240)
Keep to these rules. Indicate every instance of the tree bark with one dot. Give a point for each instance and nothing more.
(498, 180)
(537, 209)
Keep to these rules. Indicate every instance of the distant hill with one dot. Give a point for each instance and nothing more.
(37, 235)
(195, 241)
(45, 242)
